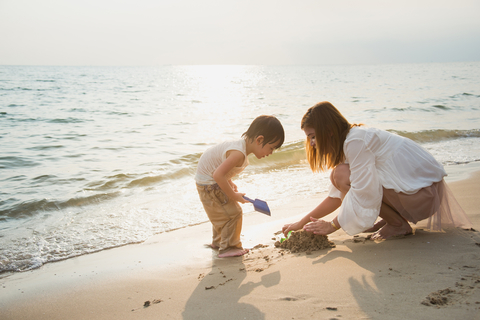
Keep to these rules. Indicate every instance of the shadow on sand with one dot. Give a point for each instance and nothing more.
(220, 290)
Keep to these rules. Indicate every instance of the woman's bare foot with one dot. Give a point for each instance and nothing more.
(376, 226)
(235, 252)
(389, 231)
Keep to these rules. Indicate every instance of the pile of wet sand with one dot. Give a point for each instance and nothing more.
(302, 241)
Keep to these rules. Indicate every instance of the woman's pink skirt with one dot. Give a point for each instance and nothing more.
(435, 206)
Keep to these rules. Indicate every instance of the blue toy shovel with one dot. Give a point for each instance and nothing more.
(259, 205)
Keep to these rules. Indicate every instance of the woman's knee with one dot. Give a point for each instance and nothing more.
(340, 177)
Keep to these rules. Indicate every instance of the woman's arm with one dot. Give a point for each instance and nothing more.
(361, 205)
(326, 207)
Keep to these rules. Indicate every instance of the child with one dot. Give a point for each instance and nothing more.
(375, 173)
(219, 195)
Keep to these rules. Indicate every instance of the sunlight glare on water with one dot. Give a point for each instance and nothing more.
(220, 98)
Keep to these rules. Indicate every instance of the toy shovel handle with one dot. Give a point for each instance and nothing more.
(248, 199)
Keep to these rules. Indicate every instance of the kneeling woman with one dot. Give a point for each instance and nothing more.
(375, 173)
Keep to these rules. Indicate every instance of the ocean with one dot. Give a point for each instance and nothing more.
(94, 158)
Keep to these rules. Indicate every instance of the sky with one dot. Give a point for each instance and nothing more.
(245, 32)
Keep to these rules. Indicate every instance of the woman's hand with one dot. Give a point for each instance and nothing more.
(319, 227)
(291, 227)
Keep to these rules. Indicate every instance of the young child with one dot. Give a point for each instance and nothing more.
(375, 173)
(219, 195)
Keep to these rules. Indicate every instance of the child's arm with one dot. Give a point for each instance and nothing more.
(233, 185)
(326, 207)
(234, 159)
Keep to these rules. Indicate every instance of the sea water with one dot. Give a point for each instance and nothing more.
(93, 158)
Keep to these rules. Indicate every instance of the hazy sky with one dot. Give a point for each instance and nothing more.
(162, 32)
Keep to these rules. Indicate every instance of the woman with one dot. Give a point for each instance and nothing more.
(375, 173)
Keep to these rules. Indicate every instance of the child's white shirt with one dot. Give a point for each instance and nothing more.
(214, 156)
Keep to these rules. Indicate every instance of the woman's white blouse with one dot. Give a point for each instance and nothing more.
(379, 159)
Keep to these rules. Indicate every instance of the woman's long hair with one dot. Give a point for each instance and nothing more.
(331, 129)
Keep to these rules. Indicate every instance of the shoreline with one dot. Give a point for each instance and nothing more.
(172, 270)
(455, 173)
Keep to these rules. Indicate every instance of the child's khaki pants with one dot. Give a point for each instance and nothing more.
(224, 214)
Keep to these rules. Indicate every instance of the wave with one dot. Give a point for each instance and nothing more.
(114, 185)
(427, 108)
(290, 155)
(438, 135)
(66, 120)
(13, 162)
(184, 167)
(465, 94)
(441, 107)
(31, 207)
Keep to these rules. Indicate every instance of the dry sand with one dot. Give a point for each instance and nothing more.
(175, 276)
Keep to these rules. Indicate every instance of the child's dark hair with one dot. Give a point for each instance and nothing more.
(267, 126)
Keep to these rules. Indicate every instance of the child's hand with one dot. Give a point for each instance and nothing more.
(291, 227)
(239, 197)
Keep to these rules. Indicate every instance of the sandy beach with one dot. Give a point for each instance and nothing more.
(175, 276)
